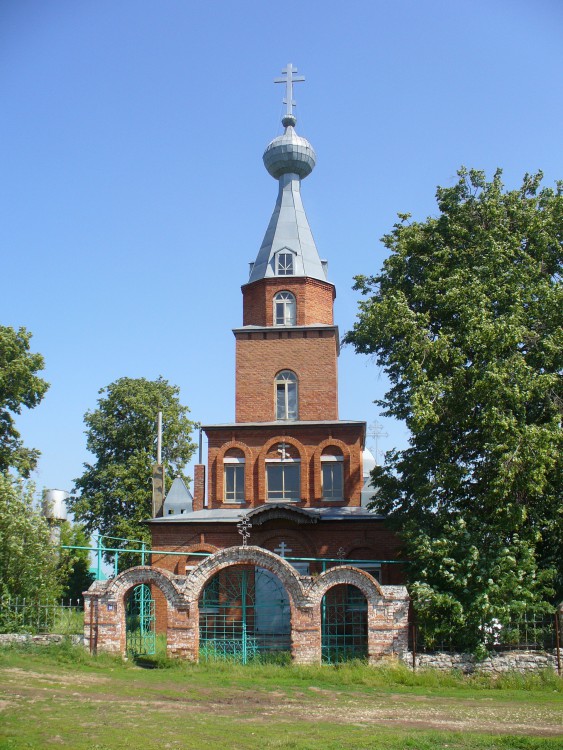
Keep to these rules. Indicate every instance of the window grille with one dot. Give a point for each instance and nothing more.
(284, 264)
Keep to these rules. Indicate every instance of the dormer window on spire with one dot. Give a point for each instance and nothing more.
(284, 309)
(284, 264)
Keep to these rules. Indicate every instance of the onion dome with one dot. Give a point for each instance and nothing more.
(289, 153)
(369, 462)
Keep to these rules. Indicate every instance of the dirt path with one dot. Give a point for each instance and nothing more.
(19, 688)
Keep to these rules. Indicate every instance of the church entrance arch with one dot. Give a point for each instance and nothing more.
(244, 616)
(344, 624)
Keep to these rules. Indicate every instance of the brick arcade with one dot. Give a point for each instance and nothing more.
(387, 613)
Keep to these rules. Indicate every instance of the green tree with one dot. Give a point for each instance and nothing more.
(19, 386)
(74, 564)
(114, 494)
(28, 563)
(466, 320)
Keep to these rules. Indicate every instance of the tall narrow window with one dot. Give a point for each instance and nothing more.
(286, 395)
(284, 264)
(332, 474)
(284, 309)
(234, 480)
(332, 477)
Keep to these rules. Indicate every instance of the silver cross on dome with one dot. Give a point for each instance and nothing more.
(289, 80)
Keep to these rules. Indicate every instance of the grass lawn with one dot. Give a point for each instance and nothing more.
(53, 697)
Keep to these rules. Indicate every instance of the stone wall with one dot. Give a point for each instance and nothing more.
(496, 663)
(42, 639)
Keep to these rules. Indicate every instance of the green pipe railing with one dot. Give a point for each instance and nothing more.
(100, 548)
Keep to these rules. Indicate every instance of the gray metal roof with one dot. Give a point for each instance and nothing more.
(233, 515)
(289, 230)
(289, 423)
(217, 515)
(179, 499)
(265, 329)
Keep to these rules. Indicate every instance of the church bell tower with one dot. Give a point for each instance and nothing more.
(287, 445)
(286, 351)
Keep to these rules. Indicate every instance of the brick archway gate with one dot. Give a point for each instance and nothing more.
(258, 566)
(387, 606)
(105, 614)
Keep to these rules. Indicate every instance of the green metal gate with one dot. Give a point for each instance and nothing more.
(244, 616)
(344, 624)
(140, 622)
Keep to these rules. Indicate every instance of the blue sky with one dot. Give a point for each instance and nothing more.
(132, 190)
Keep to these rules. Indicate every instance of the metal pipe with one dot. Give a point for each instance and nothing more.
(91, 624)
(159, 440)
(95, 647)
(243, 600)
(99, 565)
(206, 554)
(557, 643)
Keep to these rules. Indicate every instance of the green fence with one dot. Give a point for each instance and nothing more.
(344, 628)
(244, 617)
(529, 632)
(18, 615)
(140, 621)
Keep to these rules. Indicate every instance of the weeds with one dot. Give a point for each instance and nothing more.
(354, 673)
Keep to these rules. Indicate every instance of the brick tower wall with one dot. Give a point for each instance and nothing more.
(314, 300)
(311, 354)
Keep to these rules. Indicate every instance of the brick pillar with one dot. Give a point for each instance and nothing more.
(102, 627)
(387, 628)
(182, 638)
(199, 486)
(305, 636)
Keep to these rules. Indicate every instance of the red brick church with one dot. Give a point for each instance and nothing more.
(298, 472)
(276, 552)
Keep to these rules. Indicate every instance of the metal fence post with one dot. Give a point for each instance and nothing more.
(558, 642)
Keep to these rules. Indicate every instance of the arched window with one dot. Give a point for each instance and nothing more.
(283, 474)
(286, 395)
(284, 309)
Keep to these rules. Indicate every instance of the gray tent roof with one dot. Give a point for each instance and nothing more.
(233, 515)
(289, 230)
